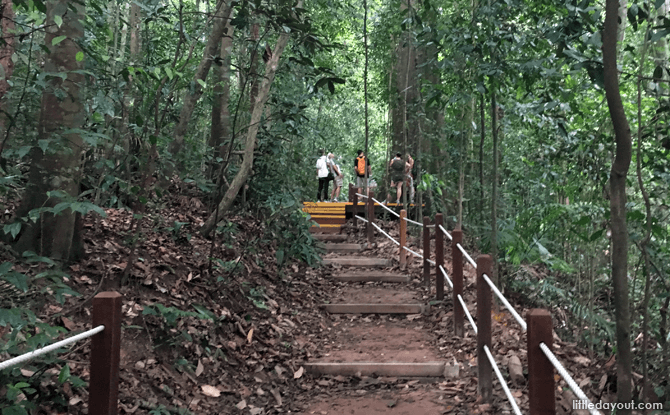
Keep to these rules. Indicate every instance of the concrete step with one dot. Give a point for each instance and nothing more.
(343, 247)
(377, 308)
(359, 262)
(330, 237)
(392, 369)
(374, 276)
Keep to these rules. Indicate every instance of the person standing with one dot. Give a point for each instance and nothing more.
(359, 167)
(322, 175)
(397, 172)
(337, 173)
(409, 178)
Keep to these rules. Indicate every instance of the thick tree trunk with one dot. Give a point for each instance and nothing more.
(254, 66)
(618, 205)
(62, 108)
(220, 130)
(248, 159)
(6, 52)
(220, 22)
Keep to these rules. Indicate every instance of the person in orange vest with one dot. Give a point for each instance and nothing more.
(359, 167)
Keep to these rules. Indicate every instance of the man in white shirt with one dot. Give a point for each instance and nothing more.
(322, 175)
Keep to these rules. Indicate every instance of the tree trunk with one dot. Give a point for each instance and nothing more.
(482, 131)
(494, 187)
(220, 131)
(248, 159)
(6, 52)
(618, 204)
(62, 108)
(254, 66)
(220, 22)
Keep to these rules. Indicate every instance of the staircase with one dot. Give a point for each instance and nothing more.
(327, 217)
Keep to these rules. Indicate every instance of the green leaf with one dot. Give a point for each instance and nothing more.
(659, 3)
(20, 281)
(201, 82)
(79, 56)
(64, 374)
(57, 40)
(280, 256)
(58, 20)
(13, 229)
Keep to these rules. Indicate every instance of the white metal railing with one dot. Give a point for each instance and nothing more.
(467, 313)
(566, 376)
(468, 257)
(431, 262)
(416, 254)
(50, 348)
(363, 219)
(502, 298)
(510, 398)
(385, 207)
(360, 195)
(385, 234)
(446, 277)
(451, 238)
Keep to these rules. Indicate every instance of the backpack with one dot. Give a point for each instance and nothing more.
(398, 166)
(360, 165)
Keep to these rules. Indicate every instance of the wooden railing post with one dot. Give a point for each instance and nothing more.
(457, 280)
(105, 355)
(355, 206)
(485, 371)
(370, 216)
(439, 258)
(541, 387)
(426, 251)
(403, 238)
(351, 192)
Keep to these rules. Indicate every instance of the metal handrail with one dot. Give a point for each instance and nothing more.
(414, 253)
(414, 222)
(502, 298)
(44, 350)
(358, 194)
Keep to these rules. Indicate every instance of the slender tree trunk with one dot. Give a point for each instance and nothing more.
(482, 131)
(220, 131)
(254, 66)
(221, 19)
(494, 187)
(618, 175)
(57, 236)
(6, 52)
(248, 160)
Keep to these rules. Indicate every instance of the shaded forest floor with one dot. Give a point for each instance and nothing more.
(231, 337)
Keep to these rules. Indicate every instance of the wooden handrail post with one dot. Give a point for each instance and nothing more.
(426, 251)
(541, 387)
(370, 216)
(355, 206)
(457, 280)
(403, 238)
(351, 192)
(484, 369)
(103, 389)
(439, 258)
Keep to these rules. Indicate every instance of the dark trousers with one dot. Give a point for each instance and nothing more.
(323, 187)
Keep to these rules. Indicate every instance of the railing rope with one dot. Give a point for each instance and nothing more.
(360, 218)
(385, 207)
(50, 348)
(501, 379)
(468, 257)
(446, 277)
(467, 313)
(502, 298)
(412, 222)
(566, 376)
(385, 234)
(446, 233)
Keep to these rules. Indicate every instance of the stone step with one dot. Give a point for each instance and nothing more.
(377, 308)
(374, 276)
(343, 247)
(359, 262)
(392, 369)
(330, 237)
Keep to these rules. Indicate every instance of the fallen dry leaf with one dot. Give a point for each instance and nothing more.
(242, 404)
(199, 369)
(211, 391)
(298, 373)
(250, 335)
